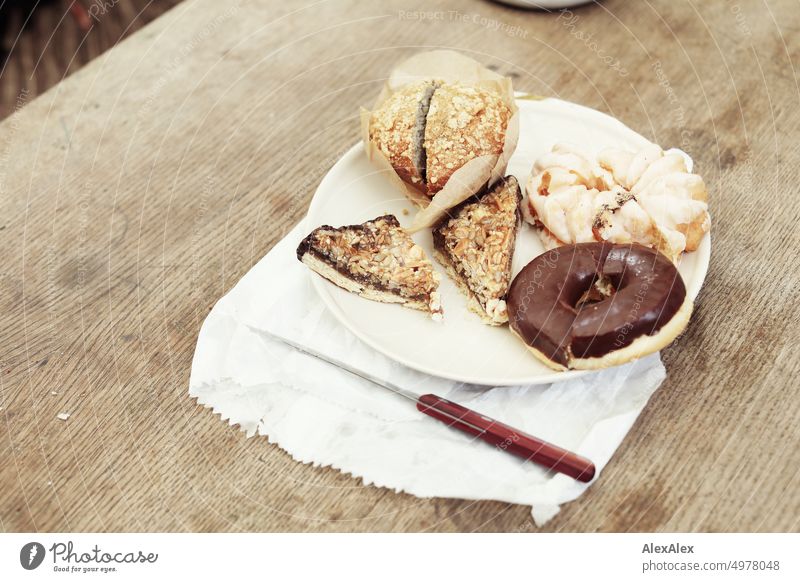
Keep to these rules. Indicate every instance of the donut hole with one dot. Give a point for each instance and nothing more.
(601, 289)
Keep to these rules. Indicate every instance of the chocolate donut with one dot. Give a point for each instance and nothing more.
(593, 305)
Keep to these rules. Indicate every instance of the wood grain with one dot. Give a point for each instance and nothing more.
(139, 190)
(41, 48)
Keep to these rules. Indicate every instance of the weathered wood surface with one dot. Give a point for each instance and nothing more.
(139, 190)
(40, 49)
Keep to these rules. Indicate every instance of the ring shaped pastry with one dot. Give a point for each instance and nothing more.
(594, 305)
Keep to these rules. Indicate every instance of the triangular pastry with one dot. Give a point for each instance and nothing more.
(475, 242)
(377, 260)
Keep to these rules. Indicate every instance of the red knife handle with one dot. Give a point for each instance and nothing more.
(507, 438)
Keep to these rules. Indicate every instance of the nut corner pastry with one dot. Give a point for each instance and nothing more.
(475, 243)
(377, 260)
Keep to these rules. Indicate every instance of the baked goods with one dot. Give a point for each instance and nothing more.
(463, 123)
(442, 129)
(443, 135)
(430, 129)
(377, 260)
(398, 130)
(594, 305)
(647, 197)
(476, 245)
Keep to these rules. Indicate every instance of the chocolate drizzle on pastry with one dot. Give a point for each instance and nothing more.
(476, 244)
(587, 300)
(376, 259)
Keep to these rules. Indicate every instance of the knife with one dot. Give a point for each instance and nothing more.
(503, 437)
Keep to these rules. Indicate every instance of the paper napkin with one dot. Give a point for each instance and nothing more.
(324, 416)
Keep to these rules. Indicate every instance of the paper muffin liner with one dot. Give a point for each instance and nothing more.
(476, 174)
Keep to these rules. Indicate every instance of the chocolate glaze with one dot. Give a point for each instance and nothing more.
(439, 238)
(308, 246)
(546, 310)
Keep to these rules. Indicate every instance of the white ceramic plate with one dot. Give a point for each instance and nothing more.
(462, 348)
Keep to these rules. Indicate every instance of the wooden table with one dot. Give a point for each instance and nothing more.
(53, 45)
(139, 190)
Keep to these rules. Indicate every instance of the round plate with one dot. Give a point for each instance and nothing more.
(462, 348)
